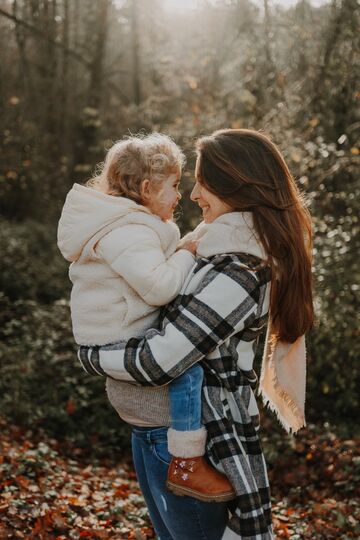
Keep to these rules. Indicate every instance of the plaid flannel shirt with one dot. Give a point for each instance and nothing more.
(213, 324)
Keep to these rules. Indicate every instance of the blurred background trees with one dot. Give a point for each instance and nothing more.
(76, 75)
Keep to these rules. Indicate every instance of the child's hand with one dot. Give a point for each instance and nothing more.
(190, 245)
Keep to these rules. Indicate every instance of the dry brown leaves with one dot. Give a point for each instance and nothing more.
(316, 488)
(44, 494)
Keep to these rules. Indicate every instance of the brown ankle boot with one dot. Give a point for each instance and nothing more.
(196, 478)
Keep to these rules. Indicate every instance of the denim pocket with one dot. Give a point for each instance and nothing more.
(161, 452)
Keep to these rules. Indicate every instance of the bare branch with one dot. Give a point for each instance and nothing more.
(74, 54)
(41, 35)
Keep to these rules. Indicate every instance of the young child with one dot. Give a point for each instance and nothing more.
(118, 233)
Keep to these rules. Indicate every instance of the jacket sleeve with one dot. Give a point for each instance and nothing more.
(225, 303)
(135, 253)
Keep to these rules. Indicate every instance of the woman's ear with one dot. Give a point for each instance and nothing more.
(145, 190)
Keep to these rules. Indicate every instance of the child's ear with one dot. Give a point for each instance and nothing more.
(145, 190)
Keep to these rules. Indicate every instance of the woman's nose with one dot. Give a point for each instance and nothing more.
(179, 196)
(194, 194)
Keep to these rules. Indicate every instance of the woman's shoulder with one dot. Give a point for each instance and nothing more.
(231, 271)
(240, 263)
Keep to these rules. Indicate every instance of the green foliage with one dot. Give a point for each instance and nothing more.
(334, 347)
(328, 174)
(42, 383)
(31, 265)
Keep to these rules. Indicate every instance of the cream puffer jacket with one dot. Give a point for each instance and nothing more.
(124, 265)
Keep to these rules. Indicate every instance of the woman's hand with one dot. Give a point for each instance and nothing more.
(188, 244)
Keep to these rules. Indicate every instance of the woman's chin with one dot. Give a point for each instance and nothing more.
(206, 217)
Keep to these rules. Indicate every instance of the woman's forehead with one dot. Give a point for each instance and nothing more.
(197, 167)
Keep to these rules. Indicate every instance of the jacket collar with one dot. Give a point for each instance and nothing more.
(230, 233)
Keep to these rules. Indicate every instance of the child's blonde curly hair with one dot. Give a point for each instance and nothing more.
(132, 159)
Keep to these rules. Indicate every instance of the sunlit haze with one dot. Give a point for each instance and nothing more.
(184, 5)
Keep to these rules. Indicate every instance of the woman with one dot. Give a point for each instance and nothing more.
(254, 265)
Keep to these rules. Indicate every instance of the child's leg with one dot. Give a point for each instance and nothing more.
(186, 437)
(189, 472)
(185, 399)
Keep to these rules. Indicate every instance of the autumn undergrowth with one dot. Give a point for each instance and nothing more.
(51, 488)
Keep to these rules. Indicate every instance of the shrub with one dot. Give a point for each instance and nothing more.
(41, 382)
(31, 266)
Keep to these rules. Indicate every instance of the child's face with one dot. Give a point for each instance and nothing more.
(164, 199)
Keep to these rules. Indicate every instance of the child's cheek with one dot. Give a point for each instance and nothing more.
(165, 197)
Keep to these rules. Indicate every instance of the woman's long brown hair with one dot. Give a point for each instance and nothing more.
(247, 171)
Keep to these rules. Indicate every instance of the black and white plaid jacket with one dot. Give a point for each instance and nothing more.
(216, 321)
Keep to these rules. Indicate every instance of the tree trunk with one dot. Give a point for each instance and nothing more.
(135, 52)
(97, 65)
(63, 109)
(267, 32)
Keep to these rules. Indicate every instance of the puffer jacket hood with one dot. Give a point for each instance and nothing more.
(85, 212)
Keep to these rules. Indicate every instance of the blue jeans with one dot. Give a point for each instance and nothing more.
(173, 517)
(185, 399)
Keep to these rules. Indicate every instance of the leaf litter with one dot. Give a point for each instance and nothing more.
(48, 493)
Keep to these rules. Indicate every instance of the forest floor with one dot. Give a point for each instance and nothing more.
(46, 494)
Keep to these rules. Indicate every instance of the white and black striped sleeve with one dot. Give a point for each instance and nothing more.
(225, 303)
